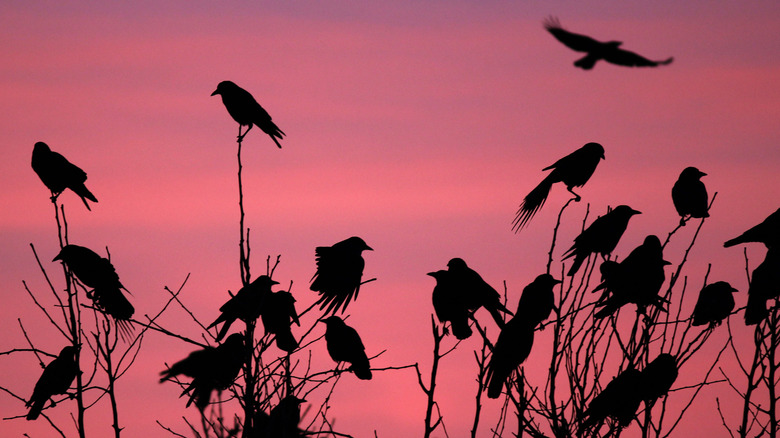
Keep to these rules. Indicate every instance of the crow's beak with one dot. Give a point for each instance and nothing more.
(274, 282)
(215, 92)
(432, 274)
(369, 248)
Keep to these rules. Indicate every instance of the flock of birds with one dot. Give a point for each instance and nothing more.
(459, 290)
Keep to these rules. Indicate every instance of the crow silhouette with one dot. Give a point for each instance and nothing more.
(245, 305)
(657, 378)
(574, 170)
(764, 285)
(339, 273)
(512, 348)
(211, 368)
(689, 195)
(58, 174)
(278, 313)
(344, 345)
(767, 232)
(537, 301)
(245, 110)
(55, 379)
(449, 304)
(99, 274)
(475, 291)
(602, 236)
(609, 51)
(619, 400)
(715, 303)
(284, 419)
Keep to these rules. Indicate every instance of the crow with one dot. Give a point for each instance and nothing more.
(689, 195)
(245, 305)
(339, 273)
(344, 345)
(609, 51)
(619, 400)
(284, 419)
(715, 303)
(657, 378)
(512, 348)
(537, 301)
(475, 291)
(58, 174)
(767, 232)
(574, 170)
(601, 236)
(278, 313)
(764, 285)
(246, 111)
(55, 379)
(99, 274)
(449, 305)
(211, 368)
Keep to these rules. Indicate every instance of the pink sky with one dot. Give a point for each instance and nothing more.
(418, 126)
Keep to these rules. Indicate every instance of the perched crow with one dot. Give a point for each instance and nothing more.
(284, 419)
(764, 285)
(245, 305)
(246, 111)
(512, 348)
(339, 273)
(574, 170)
(596, 50)
(212, 368)
(637, 279)
(715, 303)
(537, 301)
(767, 232)
(56, 379)
(449, 305)
(278, 313)
(475, 291)
(600, 237)
(619, 400)
(689, 195)
(658, 377)
(58, 174)
(344, 345)
(99, 274)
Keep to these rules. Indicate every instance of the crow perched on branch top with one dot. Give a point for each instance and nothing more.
(609, 51)
(56, 379)
(715, 303)
(689, 195)
(474, 291)
(246, 305)
(449, 305)
(574, 170)
(246, 111)
(764, 285)
(58, 174)
(339, 273)
(344, 345)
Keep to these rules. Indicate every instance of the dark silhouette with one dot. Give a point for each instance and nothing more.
(278, 313)
(619, 400)
(574, 170)
(658, 377)
(245, 305)
(58, 174)
(284, 419)
(764, 285)
(212, 368)
(602, 236)
(609, 51)
(537, 301)
(99, 274)
(344, 345)
(449, 305)
(246, 111)
(767, 232)
(475, 291)
(339, 272)
(689, 195)
(637, 279)
(56, 379)
(715, 303)
(512, 348)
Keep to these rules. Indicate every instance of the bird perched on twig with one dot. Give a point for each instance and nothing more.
(475, 291)
(344, 345)
(602, 236)
(512, 348)
(619, 400)
(284, 419)
(99, 274)
(609, 51)
(277, 311)
(211, 368)
(767, 232)
(245, 110)
(339, 273)
(537, 301)
(657, 378)
(55, 379)
(58, 174)
(574, 170)
(690, 196)
(715, 303)
(245, 305)
(449, 305)
(764, 285)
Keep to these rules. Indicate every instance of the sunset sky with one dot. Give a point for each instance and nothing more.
(416, 125)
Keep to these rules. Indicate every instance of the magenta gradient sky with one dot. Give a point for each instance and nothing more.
(418, 126)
